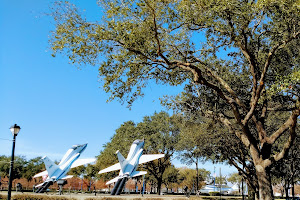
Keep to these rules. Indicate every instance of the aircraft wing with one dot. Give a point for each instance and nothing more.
(79, 162)
(138, 173)
(114, 167)
(68, 176)
(149, 157)
(43, 173)
(112, 181)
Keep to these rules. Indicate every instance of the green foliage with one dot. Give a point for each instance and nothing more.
(191, 138)
(170, 176)
(204, 175)
(77, 171)
(22, 168)
(19, 166)
(91, 172)
(121, 141)
(187, 177)
(4, 166)
(32, 167)
(87, 172)
(235, 178)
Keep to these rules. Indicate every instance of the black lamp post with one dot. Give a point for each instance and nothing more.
(14, 130)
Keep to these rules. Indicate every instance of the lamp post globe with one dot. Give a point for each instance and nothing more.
(14, 130)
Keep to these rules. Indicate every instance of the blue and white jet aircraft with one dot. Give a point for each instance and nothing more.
(129, 165)
(54, 173)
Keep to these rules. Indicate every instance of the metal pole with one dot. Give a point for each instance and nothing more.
(215, 178)
(197, 171)
(11, 168)
(143, 185)
(243, 197)
(220, 184)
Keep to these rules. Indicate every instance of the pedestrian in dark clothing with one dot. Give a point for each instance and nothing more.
(95, 191)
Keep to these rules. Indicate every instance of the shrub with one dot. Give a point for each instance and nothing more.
(195, 198)
(184, 198)
(38, 197)
(105, 198)
(137, 198)
(214, 193)
(3, 196)
(218, 198)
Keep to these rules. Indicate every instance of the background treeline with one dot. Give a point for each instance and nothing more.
(190, 141)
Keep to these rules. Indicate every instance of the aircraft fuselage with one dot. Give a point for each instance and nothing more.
(135, 152)
(65, 164)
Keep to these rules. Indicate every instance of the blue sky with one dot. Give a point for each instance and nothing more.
(55, 103)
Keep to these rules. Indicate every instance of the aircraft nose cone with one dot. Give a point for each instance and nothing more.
(83, 146)
(142, 144)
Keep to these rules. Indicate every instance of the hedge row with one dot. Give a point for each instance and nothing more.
(144, 198)
(50, 197)
(3, 196)
(137, 198)
(35, 197)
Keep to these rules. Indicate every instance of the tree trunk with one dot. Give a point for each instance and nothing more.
(256, 197)
(264, 183)
(292, 180)
(252, 194)
(286, 188)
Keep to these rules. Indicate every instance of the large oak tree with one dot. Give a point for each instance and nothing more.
(241, 58)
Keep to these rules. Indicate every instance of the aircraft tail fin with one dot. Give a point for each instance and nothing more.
(121, 159)
(51, 167)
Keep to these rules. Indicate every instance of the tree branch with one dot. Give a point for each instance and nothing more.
(286, 146)
(246, 53)
(260, 87)
(159, 52)
(243, 173)
(289, 123)
(223, 83)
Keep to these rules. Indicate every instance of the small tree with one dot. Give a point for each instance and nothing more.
(235, 179)
(170, 177)
(32, 167)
